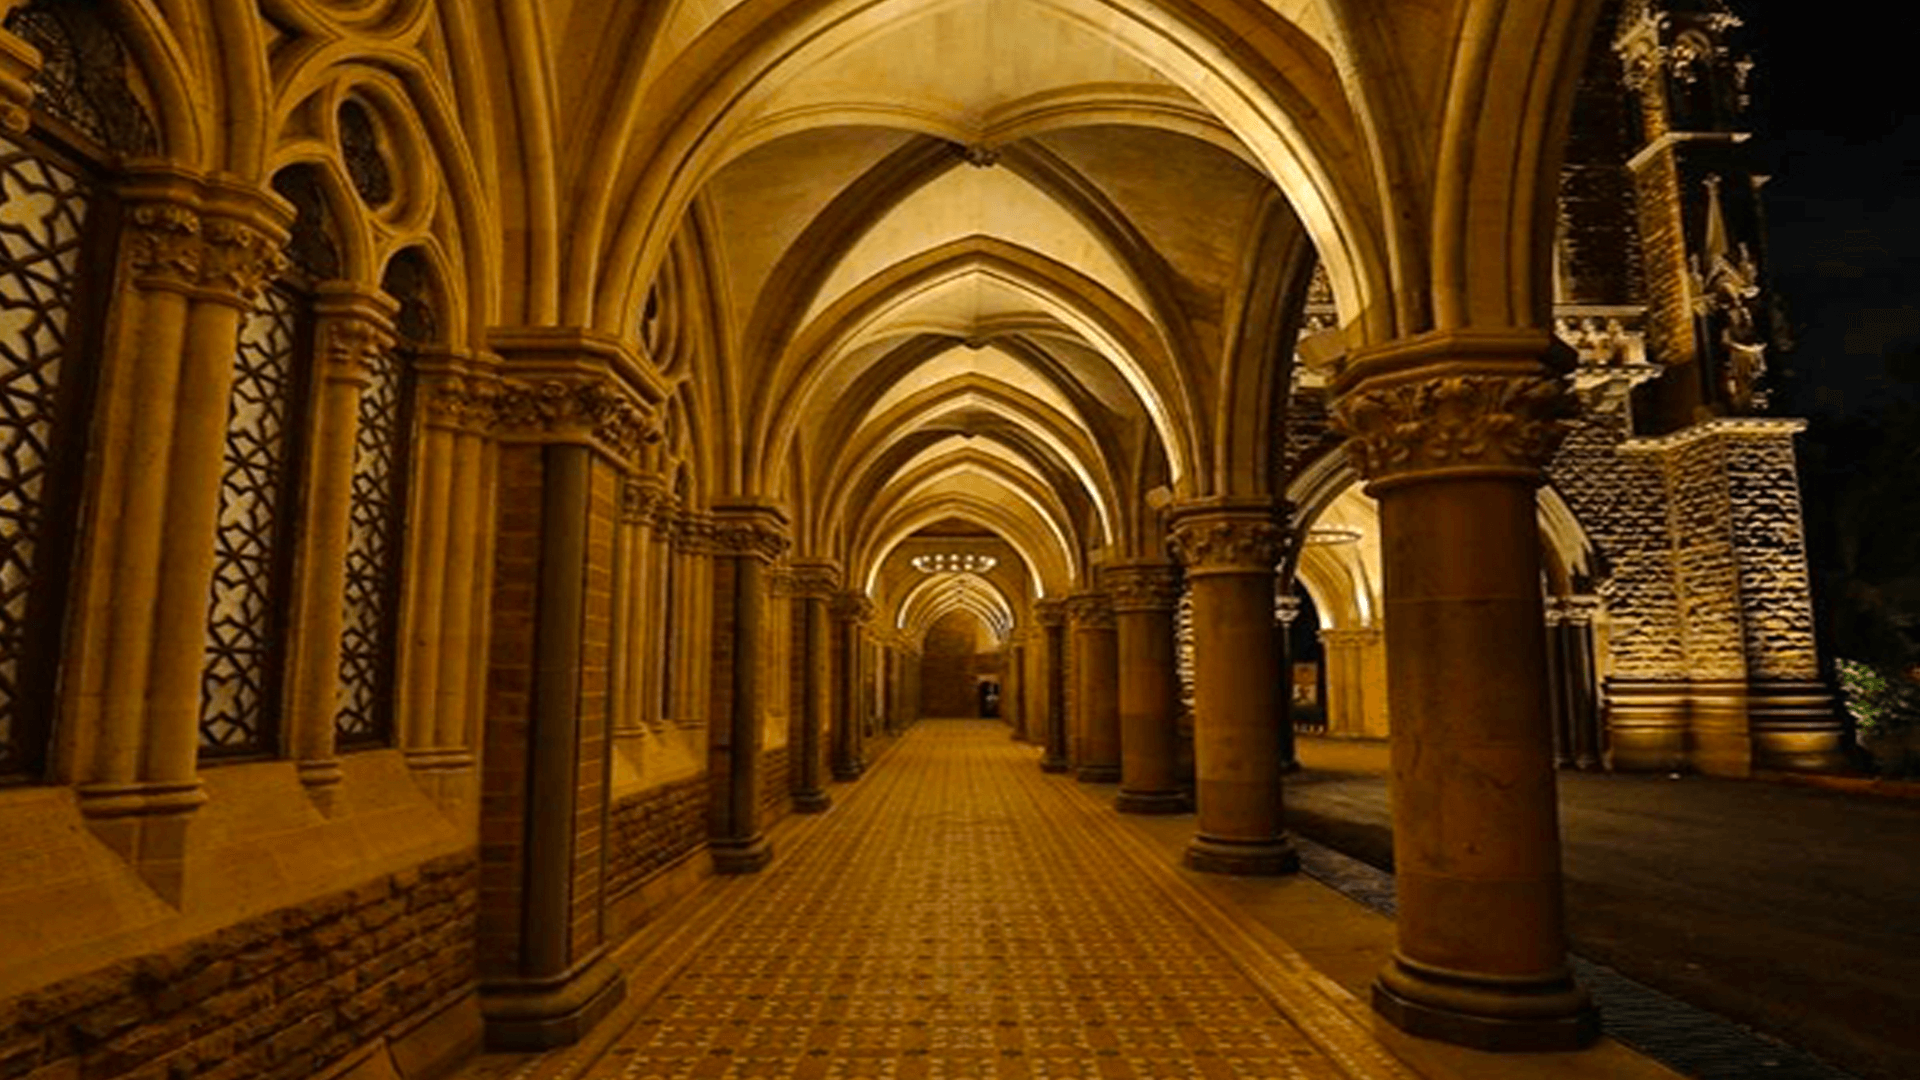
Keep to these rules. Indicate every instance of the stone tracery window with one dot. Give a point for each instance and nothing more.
(44, 210)
(85, 81)
(376, 516)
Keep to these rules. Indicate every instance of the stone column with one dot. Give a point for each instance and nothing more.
(1452, 431)
(849, 760)
(748, 537)
(1144, 598)
(197, 252)
(1230, 548)
(1583, 704)
(1011, 708)
(1052, 617)
(1098, 697)
(814, 585)
(568, 433)
(354, 324)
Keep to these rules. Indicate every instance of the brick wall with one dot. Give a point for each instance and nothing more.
(1774, 583)
(776, 785)
(590, 760)
(503, 777)
(281, 995)
(653, 829)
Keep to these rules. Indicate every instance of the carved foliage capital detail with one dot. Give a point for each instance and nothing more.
(171, 244)
(560, 407)
(163, 243)
(1091, 611)
(1229, 543)
(748, 538)
(1050, 612)
(1460, 421)
(815, 581)
(852, 607)
(348, 344)
(1143, 588)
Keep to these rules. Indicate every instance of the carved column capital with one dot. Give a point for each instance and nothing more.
(1050, 612)
(1090, 611)
(239, 258)
(163, 243)
(354, 325)
(640, 500)
(816, 578)
(592, 410)
(1143, 586)
(853, 607)
(693, 532)
(1223, 536)
(755, 530)
(1444, 405)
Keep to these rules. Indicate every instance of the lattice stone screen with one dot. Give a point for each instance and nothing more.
(246, 611)
(43, 211)
(373, 556)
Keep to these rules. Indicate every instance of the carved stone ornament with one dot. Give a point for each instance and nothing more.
(574, 409)
(640, 499)
(1050, 612)
(693, 532)
(756, 539)
(1090, 611)
(350, 343)
(163, 244)
(464, 403)
(852, 607)
(1143, 588)
(238, 259)
(815, 580)
(1228, 543)
(1504, 423)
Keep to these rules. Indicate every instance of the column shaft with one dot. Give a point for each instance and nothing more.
(1052, 617)
(1240, 700)
(1144, 599)
(1452, 431)
(1098, 689)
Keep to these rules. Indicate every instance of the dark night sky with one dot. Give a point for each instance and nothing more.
(1840, 133)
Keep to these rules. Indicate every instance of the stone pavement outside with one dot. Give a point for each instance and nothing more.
(960, 915)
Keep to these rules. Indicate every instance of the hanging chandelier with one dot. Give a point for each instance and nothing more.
(954, 562)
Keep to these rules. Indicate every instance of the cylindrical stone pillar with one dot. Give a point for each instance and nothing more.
(747, 538)
(813, 588)
(848, 608)
(1452, 433)
(1144, 598)
(1052, 617)
(1230, 548)
(1097, 694)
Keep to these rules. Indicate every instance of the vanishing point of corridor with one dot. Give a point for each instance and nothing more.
(962, 915)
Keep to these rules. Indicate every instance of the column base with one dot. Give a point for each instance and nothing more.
(848, 770)
(1486, 1012)
(1152, 802)
(737, 856)
(539, 1014)
(1264, 858)
(811, 802)
(1053, 764)
(1098, 774)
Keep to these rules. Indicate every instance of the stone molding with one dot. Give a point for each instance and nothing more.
(1737, 427)
(692, 532)
(852, 607)
(749, 530)
(1090, 611)
(355, 325)
(1136, 587)
(593, 410)
(1506, 424)
(640, 500)
(19, 63)
(208, 237)
(1050, 612)
(815, 579)
(1223, 537)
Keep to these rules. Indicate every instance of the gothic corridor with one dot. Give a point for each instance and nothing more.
(483, 482)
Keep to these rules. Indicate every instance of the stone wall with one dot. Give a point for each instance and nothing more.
(280, 995)
(654, 829)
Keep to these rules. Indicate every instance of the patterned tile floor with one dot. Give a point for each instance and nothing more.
(959, 918)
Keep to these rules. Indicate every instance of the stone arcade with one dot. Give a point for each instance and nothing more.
(473, 466)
